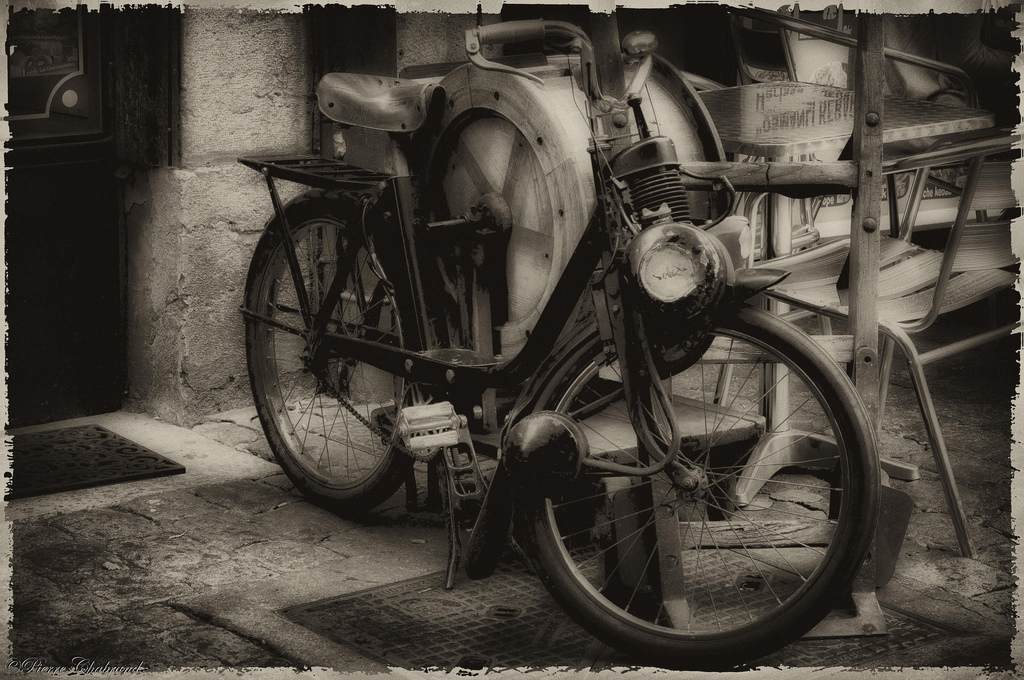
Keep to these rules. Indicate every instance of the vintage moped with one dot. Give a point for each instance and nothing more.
(534, 293)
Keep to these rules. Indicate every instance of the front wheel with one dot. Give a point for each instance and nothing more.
(761, 550)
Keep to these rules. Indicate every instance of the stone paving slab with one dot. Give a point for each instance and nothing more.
(115, 579)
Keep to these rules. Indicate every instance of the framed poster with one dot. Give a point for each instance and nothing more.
(53, 73)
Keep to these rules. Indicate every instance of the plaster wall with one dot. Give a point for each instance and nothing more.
(191, 229)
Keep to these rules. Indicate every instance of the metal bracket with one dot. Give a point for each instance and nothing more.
(863, 616)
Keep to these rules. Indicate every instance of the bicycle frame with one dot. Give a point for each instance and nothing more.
(419, 362)
(419, 366)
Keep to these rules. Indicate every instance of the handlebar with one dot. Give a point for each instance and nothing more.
(528, 29)
(533, 29)
(510, 32)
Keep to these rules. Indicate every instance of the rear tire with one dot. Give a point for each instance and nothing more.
(328, 452)
(715, 582)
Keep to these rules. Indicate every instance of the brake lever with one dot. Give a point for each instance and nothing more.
(477, 58)
(639, 46)
(643, 72)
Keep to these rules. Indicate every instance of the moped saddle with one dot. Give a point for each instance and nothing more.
(376, 102)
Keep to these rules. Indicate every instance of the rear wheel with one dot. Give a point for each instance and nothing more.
(754, 557)
(329, 425)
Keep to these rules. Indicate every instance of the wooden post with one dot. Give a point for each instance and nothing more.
(867, 152)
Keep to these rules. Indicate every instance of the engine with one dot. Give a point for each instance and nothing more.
(650, 170)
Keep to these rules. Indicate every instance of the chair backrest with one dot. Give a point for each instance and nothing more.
(760, 51)
(814, 60)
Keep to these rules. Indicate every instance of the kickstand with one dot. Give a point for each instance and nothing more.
(411, 489)
(451, 523)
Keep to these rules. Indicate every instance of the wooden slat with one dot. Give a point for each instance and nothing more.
(839, 347)
(905, 268)
(917, 271)
(985, 245)
(757, 533)
(963, 289)
(796, 179)
(994, 191)
(610, 430)
(814, 267)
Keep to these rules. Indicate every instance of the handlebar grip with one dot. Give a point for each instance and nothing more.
(511, 32)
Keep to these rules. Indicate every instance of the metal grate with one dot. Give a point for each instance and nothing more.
(905, 632)
(509, 621)
(505, 621)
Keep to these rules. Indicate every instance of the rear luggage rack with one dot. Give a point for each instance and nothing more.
(318, 172)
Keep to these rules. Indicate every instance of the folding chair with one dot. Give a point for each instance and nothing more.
(917, 284)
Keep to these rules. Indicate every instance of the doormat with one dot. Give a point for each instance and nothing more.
(79, 457)
(510, 621)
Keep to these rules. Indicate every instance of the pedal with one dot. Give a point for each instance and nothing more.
(465, 479)
(428, 427)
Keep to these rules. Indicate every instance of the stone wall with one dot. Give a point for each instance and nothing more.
(191, 229)
(434, 38)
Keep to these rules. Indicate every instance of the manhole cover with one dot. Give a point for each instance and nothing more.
(906, 631)
(505, 621)
(509, 621)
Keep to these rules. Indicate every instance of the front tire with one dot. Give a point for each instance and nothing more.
(757, 556)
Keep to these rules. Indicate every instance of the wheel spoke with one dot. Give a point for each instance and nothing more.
(310, 428)
(737, 564)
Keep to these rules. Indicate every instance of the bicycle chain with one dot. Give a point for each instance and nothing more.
(382, 433)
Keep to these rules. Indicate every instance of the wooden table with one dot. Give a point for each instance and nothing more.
(782, 120)
(788, 120)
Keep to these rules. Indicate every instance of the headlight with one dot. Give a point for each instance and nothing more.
(680, 268)
(669, 272)
(675, 278)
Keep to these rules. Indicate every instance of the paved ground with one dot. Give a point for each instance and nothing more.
(189, 571)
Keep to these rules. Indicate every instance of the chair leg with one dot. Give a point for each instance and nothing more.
(938, 444)
(905, 472)
(884, 371)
